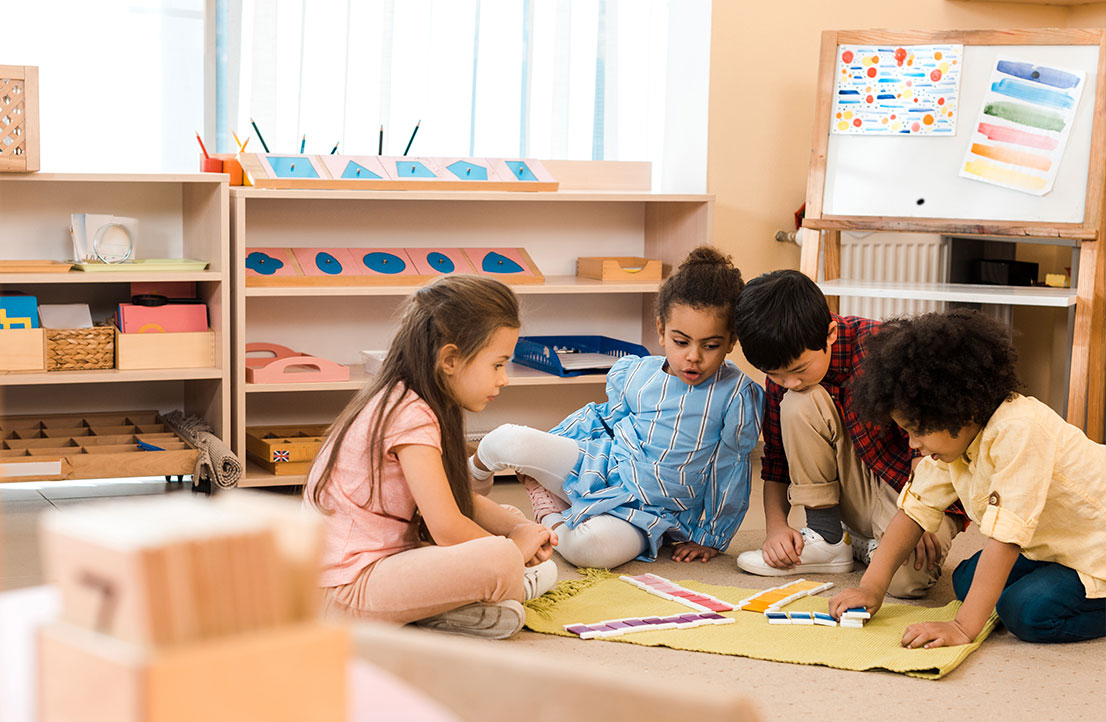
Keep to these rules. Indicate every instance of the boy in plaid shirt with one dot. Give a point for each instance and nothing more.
(818, 453)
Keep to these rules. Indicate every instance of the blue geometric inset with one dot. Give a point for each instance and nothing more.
(384, 262)
(327, 263)
(413, 169)
(292, 167)
(498, 263)
(468, 171)
(441, 262)
(356, 170)
(263, 263)
(520, 171)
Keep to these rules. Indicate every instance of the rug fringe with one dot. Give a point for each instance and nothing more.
(567, 589)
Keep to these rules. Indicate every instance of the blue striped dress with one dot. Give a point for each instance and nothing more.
(665, 456)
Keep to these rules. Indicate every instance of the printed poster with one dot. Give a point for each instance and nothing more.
(1023, 126)
(897, 90)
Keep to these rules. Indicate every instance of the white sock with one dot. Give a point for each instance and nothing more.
(476, 472)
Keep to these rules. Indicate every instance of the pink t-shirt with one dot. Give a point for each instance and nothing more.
(366, 524)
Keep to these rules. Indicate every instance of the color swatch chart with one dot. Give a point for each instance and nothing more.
(1023, 126)
(666, 589)
(774, 598)
(628, 625)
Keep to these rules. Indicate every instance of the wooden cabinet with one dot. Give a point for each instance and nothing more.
(179, 216)
(555, 228)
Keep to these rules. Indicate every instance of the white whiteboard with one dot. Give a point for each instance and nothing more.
(887, 175)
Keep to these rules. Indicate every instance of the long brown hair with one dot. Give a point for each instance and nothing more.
(461, 310)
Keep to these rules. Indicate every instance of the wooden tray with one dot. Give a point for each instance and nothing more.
(91, 446)
(285, 450)
(35, 266)
(146, 265)
(619, 268)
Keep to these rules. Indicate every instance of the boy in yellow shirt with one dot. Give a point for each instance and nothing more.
(1034, 484)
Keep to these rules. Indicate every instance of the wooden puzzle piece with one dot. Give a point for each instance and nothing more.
(326, 262)
(510, 265)
(270, 262)
(439, 261)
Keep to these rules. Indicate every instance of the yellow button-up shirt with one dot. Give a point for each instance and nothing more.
(1028, 478)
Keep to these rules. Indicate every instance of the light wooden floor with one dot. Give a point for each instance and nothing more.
(1005, 679)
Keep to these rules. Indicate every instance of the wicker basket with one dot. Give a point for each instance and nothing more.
(74, 349)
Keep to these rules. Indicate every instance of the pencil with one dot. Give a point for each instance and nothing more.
(380, 143)
(259, 136)
(236, 141)
(303, 143)
(334, 149)
(416, 130)
(202, 146)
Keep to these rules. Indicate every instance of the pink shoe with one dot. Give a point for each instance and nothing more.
(542, 500)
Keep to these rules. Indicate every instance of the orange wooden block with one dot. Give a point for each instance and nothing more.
(283, 674)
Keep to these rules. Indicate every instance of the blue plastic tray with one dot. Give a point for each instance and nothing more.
(537, 351)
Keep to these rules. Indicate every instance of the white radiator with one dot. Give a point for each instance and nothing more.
(900, 257)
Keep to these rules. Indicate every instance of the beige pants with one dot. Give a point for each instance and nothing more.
(825, 471)
(422, 582)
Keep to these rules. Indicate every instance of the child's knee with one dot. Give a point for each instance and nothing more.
(809, 407)
(603, 542)
(911, 583)
(500, 568)
(495, 448)
(962, 576)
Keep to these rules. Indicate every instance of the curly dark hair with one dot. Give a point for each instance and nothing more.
(938, 371)
(781, 315)
(706, 280)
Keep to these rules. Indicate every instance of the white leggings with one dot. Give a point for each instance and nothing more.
(602, 541)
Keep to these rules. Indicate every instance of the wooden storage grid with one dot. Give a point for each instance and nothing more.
(91, 446)
(285, 450)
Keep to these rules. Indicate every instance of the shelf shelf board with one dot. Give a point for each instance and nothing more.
(959, 292)
(517, 374)
(102, 376)
(467, 196)
(108, 277)
(253, 475)
(553, 285)
(112, 178)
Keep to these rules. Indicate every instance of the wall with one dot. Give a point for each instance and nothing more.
(764, 63)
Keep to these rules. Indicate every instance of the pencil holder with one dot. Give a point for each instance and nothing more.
(231, 167)
(211, 165)
(18, 118)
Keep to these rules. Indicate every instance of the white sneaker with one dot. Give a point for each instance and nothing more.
(539, 579)
(480, 619)
(818, 557)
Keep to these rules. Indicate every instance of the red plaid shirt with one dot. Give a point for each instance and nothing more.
(885, 451)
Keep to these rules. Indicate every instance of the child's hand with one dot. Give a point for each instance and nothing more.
(690, 551)
(934, 634)
(782, 547)
(854, 597)
(534, 541)
(927, 552)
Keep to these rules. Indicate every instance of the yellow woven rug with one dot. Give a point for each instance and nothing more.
(601, 595)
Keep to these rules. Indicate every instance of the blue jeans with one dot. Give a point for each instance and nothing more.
(1042, 601)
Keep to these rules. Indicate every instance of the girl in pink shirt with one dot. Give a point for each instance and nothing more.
(406, 538)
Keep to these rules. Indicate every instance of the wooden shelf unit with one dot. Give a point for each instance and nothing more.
(179, 216)
(555, 228)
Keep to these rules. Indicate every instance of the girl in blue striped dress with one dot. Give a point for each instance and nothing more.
(666, 457)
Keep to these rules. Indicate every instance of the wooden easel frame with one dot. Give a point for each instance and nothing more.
(821, 232)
